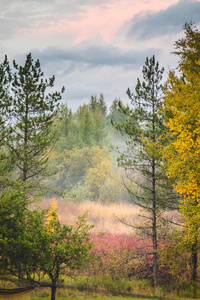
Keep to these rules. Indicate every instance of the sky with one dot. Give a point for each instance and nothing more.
(94, 46)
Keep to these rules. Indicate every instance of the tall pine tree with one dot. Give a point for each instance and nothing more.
(5, 122)
(33, 111)
(144, 125)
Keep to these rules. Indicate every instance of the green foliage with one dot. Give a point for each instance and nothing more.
(142, 159)
(62, 247)
(113, 190)
(96, 176)
(84, 128)
(87, 174)
(18, 235)
(104, 282)
(98, 104)
(79, 193)
(91, 125)
(34, 243)
(116, 115)
(187, 48)
(31, 243)
(66, 129)
(6, 162)
(32, 111)
(82, 136)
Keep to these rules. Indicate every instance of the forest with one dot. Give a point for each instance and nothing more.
(64, 173)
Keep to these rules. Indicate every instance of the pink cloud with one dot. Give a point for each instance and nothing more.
(107, 22)
(103, 21)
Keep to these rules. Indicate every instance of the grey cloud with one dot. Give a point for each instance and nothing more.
(15, 16)
(82, 92)
(166, 21)
(93, 56)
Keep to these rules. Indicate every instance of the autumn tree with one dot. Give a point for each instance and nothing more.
(62, 247)
(85, 173)
(97, 175)
(34, 243)
(182, 111)
(149, 187)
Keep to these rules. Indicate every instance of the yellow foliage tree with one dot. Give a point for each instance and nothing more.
(62, 248)
(96, 176)
(182, 116)
(52, 215)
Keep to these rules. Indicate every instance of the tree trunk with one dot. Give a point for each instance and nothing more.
(53, 291)
(194, 257)
(25, 168)
(154, 237)
(154, 212)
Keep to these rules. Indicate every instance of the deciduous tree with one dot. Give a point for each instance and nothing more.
(62, 247)
(182, 117)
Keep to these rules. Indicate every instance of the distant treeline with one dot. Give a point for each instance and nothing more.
(82, 158)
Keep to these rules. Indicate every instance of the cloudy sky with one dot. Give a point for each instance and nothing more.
(94, 46)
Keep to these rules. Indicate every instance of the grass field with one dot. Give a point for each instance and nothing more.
(105, 217)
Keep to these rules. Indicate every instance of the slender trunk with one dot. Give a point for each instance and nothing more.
(154, 216)
(194, 257)
(25, 167)
(53, 291)
(154, 228)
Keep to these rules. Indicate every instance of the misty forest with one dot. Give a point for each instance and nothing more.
(102, 200)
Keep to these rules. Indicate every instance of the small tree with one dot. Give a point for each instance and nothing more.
(19, 247)
(35, 243)
(142, 160)
(62, 247)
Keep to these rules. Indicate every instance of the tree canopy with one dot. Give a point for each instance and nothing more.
(182, 111)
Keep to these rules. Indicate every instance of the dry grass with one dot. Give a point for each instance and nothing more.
(105, 217)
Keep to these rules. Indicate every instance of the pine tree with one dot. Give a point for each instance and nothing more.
(100, 104)
(144, 125)
(5, 121)
(26, 116)
(91, 121)
(33, 111)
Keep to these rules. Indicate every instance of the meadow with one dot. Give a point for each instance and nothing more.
(118, 252)
(105, 217)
